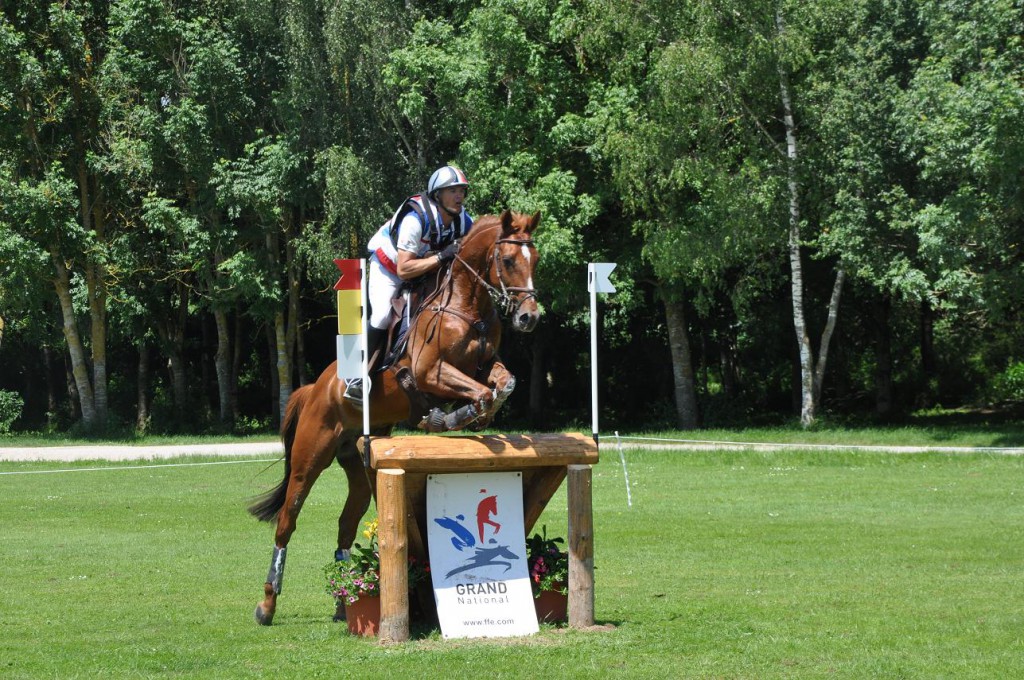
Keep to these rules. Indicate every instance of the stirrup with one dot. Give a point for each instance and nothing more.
(354, 391)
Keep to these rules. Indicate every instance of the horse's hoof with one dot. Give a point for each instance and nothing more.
(262, 618)
(434, 421)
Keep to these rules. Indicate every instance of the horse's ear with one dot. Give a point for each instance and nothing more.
(506, 222)
(534, 221)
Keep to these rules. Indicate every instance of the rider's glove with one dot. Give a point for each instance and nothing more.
(448, 253)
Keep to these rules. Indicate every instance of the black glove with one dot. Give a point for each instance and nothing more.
(448, 254)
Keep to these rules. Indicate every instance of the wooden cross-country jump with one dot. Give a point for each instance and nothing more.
(401, 465)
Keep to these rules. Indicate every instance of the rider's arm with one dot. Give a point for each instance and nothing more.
(411, 265)
(410, 244)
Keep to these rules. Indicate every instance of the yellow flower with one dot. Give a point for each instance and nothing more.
(371, 528)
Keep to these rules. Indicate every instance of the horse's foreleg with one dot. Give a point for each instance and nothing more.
(311, 454)
(358, 501)
(356, 505)
(502, 383)
(448, 382)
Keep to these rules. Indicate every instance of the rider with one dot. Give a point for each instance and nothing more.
(425, 239)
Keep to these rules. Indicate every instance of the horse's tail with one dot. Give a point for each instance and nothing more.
(269, 504)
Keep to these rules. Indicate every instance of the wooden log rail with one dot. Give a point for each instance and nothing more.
(401, 465)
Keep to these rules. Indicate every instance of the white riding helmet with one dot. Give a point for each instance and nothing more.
(447, 176)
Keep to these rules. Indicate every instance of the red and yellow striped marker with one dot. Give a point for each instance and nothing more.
(350, 319)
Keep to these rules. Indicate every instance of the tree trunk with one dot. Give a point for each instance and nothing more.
(142, 390)
(179, 381)
(291, 319)
(72, 388)
(172, 335)
(222, 366)
(79, 369)
(51, 388)
(682, 362)
(284, 378)
(276, 405)
(93, 221)
(206, 360)
(808, 406)
(236, 367)
(826, 334)
(98, 334)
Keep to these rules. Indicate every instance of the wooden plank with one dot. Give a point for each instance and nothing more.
(482, 452)
(392, 538)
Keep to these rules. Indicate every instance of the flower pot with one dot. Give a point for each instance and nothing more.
(363, 616)
(552, 606)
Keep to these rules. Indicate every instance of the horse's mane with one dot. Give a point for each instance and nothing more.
(484, 223)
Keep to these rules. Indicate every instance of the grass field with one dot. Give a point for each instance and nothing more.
(729, 564)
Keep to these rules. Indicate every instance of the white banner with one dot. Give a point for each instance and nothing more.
(478, 555)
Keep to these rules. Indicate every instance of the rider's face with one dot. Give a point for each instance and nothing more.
(452, 198)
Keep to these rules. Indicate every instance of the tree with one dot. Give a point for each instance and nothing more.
(51, 56)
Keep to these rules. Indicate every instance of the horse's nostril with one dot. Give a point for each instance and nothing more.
(527, 320)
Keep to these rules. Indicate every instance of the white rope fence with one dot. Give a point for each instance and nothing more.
(882, 448)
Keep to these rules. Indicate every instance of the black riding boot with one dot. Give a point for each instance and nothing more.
(374, 341)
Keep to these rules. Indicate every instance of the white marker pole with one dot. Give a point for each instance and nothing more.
(364, 292)
(597, 282)
(593, 355)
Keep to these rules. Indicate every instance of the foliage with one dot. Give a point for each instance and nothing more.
(348, 580)
(1010, 383)
(547, 563)
(11, 404)
(176, 179)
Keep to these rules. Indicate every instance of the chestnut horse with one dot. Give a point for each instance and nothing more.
(451, 356)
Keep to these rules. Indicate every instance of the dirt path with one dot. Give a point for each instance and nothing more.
(608, 445)
(108, 452)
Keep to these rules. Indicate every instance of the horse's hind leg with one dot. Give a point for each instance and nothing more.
(312, 452)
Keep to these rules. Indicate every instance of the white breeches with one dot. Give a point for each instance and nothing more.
(382, 287)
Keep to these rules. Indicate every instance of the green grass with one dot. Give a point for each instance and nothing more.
(728, 564)
(981, 435)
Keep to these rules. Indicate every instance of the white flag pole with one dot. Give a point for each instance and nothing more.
(597, 282)
(593, 352)
(363, 291)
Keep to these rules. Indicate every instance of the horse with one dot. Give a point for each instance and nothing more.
(450, 356)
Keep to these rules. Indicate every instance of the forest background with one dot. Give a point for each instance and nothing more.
(815, 207)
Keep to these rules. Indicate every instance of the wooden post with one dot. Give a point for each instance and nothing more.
(394, 556)
(581, 547)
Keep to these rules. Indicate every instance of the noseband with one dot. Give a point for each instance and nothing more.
(509, 298)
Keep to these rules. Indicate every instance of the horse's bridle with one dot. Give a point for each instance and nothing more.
(509, 298)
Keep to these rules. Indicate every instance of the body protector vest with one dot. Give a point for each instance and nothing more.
(435, 235)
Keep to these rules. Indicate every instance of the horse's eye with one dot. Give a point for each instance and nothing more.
(508, 262)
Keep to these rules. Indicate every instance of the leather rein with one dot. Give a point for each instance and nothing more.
(505, 298)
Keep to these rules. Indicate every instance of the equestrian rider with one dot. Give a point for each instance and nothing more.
(425, 239)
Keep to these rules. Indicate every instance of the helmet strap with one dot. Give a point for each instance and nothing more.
(441, 205)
